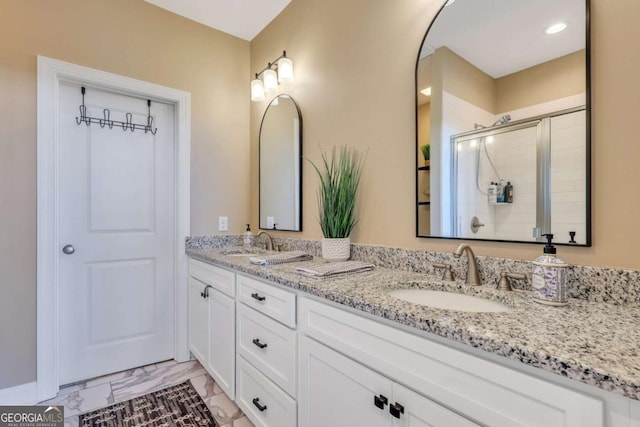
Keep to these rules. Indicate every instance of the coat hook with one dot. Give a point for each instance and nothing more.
(128, 124)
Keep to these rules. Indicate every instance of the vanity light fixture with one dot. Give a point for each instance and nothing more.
(556, 28)
(257, 90)
(278, 71)
(270, 79)
(426, 91)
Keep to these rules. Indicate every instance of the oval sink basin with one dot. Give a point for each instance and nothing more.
(449, 300)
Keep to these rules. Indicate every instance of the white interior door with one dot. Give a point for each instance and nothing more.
(116, 211)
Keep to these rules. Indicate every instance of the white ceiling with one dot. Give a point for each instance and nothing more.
(240, 18)
(501, 37)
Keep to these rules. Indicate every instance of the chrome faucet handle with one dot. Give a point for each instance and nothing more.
(448, 274)
(505, 285)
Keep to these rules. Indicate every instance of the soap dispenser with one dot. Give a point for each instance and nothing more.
(549, 279)
(248, 238)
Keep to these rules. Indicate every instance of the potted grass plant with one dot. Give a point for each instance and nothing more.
(339, 179)
(426, 153)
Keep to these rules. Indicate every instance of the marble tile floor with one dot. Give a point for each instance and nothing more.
(104, 391)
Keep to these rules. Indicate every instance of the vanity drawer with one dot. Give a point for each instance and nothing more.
(261, 400)
(222, 280)
(269, 346)
(274, 302)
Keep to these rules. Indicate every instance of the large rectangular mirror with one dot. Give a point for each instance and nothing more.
(502, 102)
(280, 177)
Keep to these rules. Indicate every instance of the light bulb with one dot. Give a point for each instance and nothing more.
(556, 28)
(270, 80)
(257, 90)
(285, 70)
(426, 91)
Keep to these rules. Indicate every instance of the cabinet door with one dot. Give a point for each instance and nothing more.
(417, 411)
(198, 320)
(222, 349)
(336, 391)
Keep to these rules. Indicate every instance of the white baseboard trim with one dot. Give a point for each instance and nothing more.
(24, 394)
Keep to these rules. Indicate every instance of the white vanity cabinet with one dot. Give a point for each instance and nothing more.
(198, 320)
(288, 359)
(337, 391)
(635, 413)
(212, 316)
(341, 353)
(266, 342)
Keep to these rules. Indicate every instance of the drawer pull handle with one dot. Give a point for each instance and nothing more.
(205, 292)
(380, 401)
(257, 342)
(257, 296)
(396, 409)
(256, 402)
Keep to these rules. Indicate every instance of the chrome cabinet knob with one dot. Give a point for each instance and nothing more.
(68, 249)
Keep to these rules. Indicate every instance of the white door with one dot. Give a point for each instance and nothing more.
(336, 391)
(116, 209)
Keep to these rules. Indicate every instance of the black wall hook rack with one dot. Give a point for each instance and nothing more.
(106, 119)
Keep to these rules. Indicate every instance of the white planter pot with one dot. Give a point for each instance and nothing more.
(336, 249)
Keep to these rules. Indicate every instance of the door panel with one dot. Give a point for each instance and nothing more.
(422, 412)
(116, 208)
(117, 204)
(118, 291)
(198, 320)
(222, 341)
(336, 391)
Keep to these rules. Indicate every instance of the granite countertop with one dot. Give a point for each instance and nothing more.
(595, 343)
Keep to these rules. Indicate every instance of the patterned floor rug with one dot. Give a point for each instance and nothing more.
(179, 405)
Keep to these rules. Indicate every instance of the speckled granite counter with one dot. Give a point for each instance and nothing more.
(595, 343)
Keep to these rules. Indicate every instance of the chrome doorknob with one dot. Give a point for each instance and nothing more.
(68, 249)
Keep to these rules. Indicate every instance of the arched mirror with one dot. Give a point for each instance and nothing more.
(280, 177)
(502, 113)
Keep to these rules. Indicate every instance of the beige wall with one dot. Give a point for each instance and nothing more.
(134, 39)
(464, 80)
(559, 78)
(545, 82)
(424, 124)
(355, 64)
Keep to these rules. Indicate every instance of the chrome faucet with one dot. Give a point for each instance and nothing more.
(269, 240)
(473, 277)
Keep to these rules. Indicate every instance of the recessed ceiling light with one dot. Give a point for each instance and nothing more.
(426, 91)
(556, 28)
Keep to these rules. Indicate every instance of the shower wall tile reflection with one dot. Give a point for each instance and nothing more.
(512, 157)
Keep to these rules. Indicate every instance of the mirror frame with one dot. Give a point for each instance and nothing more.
(587, 141)
(300, 133)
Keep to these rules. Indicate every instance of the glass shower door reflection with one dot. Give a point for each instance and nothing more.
(501, 156)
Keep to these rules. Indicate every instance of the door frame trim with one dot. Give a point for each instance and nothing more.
(50, 73)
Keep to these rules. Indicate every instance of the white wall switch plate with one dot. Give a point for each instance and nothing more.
(223, 223)
(270, 221)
